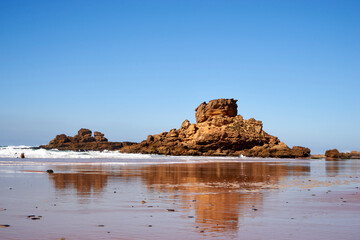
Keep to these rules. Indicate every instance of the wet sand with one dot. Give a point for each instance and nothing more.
(310, 199)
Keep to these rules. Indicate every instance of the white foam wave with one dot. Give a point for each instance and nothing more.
(32, 152)
(10, 155)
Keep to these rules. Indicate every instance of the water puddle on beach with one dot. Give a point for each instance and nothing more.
(304, 199)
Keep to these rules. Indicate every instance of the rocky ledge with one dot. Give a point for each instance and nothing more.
(219, 131)
(84, 141)
(334, 153)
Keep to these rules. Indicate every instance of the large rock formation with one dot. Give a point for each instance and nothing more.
(219, 131)
(84, 141)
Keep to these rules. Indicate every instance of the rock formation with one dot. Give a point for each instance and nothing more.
(219, 131)
(220, 107)
(84, 141)
(334, 153)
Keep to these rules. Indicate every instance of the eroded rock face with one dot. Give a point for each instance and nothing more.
(84, 141)
(218, 107)
(99, 137)
(219, 131)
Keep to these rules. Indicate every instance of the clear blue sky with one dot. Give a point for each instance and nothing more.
(133, 68)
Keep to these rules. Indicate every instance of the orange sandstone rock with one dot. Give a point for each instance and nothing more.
(219, 131)
(84, 141)
(334, 153)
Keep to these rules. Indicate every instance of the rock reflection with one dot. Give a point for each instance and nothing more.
(332, 167)
(218, 194)
(85, 183)
(336, 167)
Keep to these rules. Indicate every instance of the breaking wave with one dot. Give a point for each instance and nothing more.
(11, 155)
(34, 152)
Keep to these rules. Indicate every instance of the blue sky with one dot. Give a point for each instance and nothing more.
(133, 68)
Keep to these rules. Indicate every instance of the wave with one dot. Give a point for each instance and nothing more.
(10, 155)
(35, 152)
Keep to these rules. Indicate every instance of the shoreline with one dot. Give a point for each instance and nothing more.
(14, 152)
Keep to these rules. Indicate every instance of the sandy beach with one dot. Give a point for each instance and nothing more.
(307, 199)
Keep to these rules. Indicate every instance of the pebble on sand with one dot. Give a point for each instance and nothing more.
(33, 217)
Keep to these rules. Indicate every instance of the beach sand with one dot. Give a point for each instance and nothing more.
(310, 199)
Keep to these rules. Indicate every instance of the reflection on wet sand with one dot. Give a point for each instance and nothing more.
(220, 192)
(217, 193)
(335, 167)
(85, 184)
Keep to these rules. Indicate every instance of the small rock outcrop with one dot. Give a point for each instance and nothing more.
(99, 137)
(84, 141)
(219, 131)
(334, 153)
(355, 154)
